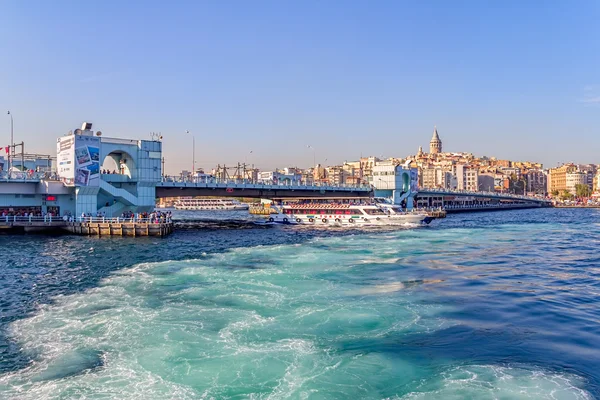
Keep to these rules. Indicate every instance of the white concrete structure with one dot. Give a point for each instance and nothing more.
(109, 175)
(279, 176)
(574, 179)
(402, 182)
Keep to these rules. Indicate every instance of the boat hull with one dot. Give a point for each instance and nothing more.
(344, 220)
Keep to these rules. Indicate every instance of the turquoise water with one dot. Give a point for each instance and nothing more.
(490, 306)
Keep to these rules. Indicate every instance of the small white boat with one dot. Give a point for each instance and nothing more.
(210, 204)
(336, 214)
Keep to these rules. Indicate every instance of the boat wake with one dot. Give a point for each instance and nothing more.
(195, 224)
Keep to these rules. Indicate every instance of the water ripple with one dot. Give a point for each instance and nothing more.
(492, 305)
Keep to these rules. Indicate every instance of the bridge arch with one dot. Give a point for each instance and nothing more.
(405, 180)
(120, 162)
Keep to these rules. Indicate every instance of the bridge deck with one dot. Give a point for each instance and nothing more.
(234, 188)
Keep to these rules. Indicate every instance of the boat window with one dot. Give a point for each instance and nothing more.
(374, 211)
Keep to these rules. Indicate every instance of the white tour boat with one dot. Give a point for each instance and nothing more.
(210, 204)
(335, 214)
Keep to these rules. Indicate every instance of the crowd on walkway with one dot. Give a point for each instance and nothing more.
(35, 212)
(26, 212)
(154, 217)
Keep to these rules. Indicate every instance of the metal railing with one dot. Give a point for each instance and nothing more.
(20, 218)
(123, 220)
(27, 176)
(483, 193)
(283, 184)
(48, 219)
(484, 206)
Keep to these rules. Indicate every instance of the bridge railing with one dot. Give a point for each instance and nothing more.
(484, 193)
(262, 183)
(485, 206)
(123, 220)
(25, 176)
(48, 219)
(20, 218)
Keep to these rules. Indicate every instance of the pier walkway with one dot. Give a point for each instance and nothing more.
(482, 194)
(172, 186)
(88, 226)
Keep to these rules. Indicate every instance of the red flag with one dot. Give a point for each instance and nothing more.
(7, 148)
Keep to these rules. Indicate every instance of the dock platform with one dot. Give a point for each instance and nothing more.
(89, 226)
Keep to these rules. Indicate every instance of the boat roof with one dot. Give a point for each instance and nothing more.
(320, 198)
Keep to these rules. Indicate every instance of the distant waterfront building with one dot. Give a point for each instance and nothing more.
(510, 172)
(486, 182)
(573, 179)
(428, 177)
(590, 172)
(279, 177)
(353, 172)
(336, 175)
(467, 177)
(436, 177)
(536, 182)
(435, 145)
(367, 164)
(319, 173)
(557, 177)
(308, 177)
(503, 163)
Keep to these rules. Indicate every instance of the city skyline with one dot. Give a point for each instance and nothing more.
(515, 82)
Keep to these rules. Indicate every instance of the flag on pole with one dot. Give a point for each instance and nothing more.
(7, 148)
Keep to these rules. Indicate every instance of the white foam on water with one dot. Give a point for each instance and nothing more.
(499, 382)
(219, 327)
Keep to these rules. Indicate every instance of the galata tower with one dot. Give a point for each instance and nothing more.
(435, 146)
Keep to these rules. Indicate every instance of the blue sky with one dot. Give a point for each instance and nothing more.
(512, 79)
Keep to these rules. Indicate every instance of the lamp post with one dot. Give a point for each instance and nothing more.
(11, 142)
(193, 153)
(314, 155)
(386, 183)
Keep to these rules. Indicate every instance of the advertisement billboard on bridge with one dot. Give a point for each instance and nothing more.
(78, 160)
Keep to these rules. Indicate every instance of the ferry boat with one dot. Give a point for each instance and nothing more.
(210, 204)
(334, 214)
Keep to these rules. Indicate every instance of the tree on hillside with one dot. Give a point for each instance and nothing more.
(566, 195)
(583, 190)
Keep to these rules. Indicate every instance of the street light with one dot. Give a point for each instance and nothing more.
(314, 155)
(387, 187)
(193, 153)
(11, 142)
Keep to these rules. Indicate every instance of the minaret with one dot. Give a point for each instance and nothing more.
(435, 145)
(420, 153)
